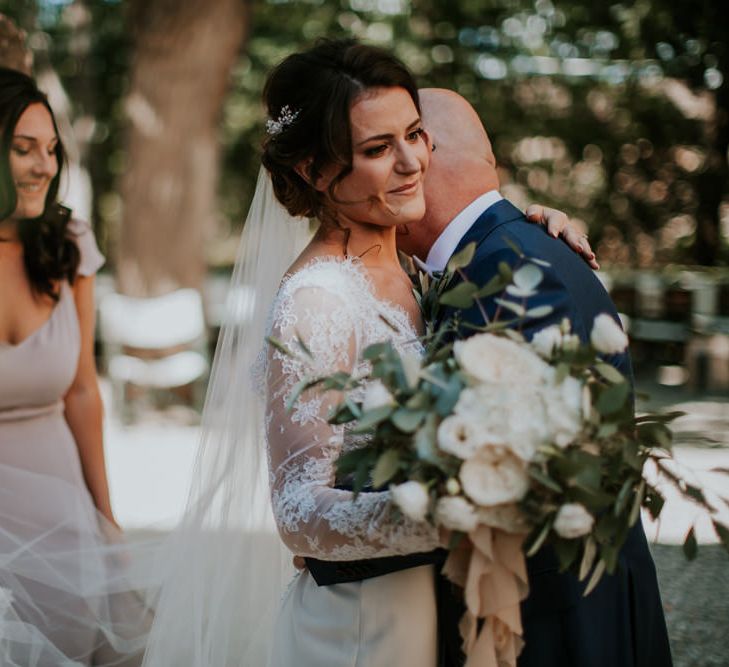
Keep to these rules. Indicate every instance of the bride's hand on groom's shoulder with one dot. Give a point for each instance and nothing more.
(558, 224)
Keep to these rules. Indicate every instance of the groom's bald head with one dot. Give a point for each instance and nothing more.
(462, 166)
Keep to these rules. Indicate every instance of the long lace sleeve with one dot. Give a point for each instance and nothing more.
(314, 518)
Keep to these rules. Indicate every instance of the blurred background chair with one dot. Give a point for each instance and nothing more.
(154, 348)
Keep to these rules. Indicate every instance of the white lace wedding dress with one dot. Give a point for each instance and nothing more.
(330, 305)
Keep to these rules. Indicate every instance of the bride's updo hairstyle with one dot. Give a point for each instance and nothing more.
(308, 97)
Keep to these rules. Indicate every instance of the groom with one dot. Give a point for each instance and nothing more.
(621, 623)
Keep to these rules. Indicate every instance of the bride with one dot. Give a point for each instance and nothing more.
(346, 147)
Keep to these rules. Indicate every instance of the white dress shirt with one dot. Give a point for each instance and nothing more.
(446, 244)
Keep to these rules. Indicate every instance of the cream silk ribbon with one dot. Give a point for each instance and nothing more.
(491, 568)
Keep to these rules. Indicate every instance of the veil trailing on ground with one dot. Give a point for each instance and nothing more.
(225, 567)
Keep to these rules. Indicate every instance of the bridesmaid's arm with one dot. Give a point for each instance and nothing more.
(84, 410)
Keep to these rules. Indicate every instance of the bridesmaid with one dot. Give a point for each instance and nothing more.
(67, 599)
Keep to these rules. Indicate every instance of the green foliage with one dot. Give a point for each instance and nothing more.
(622, 144)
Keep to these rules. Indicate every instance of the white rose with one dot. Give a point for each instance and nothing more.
(412, 498)
(494, 476)
(565, 413)
(460, 436)
(496, 414)
(506, 517)
(573, 520)
(411, 368)
(607, 336)
(489, 358)
(376, 396)
(546, 341)
(456, 513)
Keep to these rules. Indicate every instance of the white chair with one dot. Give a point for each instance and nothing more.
(156, 343)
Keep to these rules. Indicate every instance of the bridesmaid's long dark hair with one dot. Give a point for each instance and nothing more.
(50, 252)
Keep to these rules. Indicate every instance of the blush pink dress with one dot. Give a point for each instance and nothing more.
(66, 597)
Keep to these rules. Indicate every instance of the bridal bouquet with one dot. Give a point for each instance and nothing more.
(508, 445)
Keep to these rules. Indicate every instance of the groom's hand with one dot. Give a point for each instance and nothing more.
(299, 563)
(558, 224)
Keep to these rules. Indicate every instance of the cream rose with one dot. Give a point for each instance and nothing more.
(565, 411)
(456, 513)
(547, 341)
(607, 336)
(489, 358)
(496, 414)
(494, 476)
(460, 436)
(412, 498)
(376, 396)
(573, 520)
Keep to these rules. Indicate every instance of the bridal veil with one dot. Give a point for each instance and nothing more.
(224, 569)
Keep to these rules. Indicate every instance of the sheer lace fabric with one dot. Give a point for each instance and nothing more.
(330, 306)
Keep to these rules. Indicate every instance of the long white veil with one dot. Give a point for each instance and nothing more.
(225, 567)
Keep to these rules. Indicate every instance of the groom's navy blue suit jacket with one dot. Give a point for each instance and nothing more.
(621, 623)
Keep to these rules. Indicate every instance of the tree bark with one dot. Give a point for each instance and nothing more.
(183, 54)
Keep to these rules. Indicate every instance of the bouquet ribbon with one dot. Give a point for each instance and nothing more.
(491, 568)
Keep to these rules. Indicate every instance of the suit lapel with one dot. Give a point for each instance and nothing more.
(492, 218)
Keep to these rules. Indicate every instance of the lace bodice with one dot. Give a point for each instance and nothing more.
(330, 306)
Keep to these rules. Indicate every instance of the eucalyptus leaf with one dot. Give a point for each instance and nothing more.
(515, 308)
(607, 429)
(621, 502)
(493, 286)
(408, 420)
(505, 271)
(513, 245)
(461, 296)
(610, 373)
(538, 312)
(637, 502)
(514, 335)
(425, 441)
(588, 557)
(613, 398)
(539, 540)
(361, 476)
(544, 479)
(385, 468)
(595, 578)
(276, 343)
(519, 292)
(299, 388)
(527, 277)
(303, 346)
(462, 258)
(372, 418)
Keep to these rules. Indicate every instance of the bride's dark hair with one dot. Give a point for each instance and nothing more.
(308, 97)
(50, 252)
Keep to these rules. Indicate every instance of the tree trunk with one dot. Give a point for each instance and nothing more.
(14, 52)
(184, 51)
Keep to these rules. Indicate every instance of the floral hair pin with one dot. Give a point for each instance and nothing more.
(285, 117)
